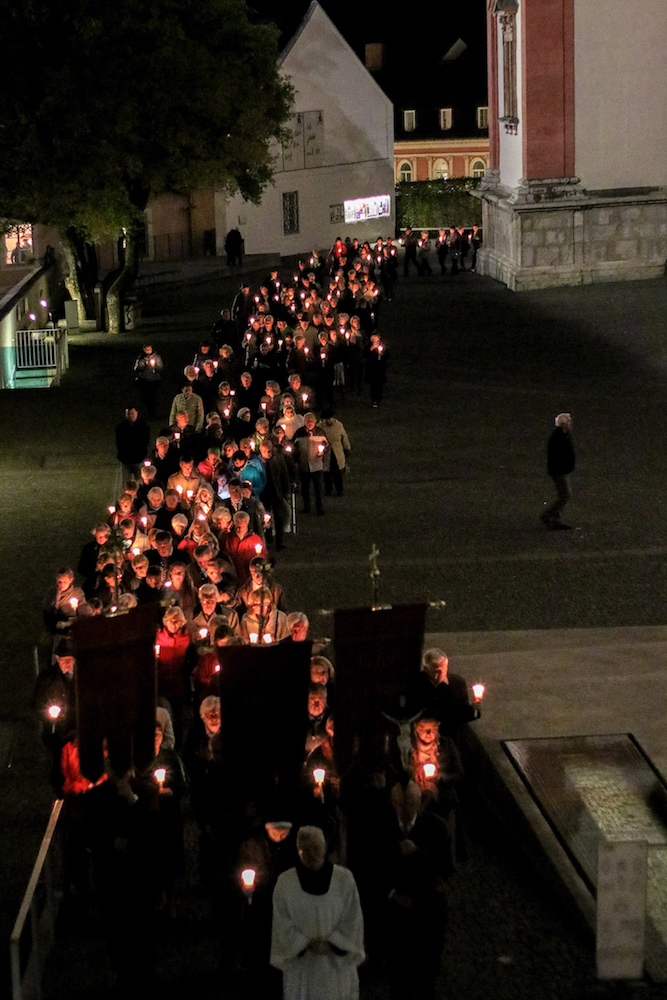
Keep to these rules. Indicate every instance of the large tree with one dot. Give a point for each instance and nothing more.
(120, 100)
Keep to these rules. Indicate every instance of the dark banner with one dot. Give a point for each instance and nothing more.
(264, 714)
(378, 656)
(116, 690)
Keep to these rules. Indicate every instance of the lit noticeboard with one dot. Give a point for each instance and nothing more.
(361, 209)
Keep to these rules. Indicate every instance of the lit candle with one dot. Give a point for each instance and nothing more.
(380, 349)
(153, 362)
(189, 494)
(43, 303)
(253, 444)
(232, 392)
(429, 770)
(74, 603)
(267, 638)
(160, 773)
(201, 517)
(258, 548)
(253, 636)
(146, 463)
(305, 350)
(263, 406)
(304, 395)
(136, 551)
(54, 712)
(144, 521)
(320, 449)
(196, 369)
(267, 519)
(111, 509)
(319, 774)
(157, 649)
(216, 668)
(478, 691)
(179, 490)
(215, 364)
(203, 633)
(168, 584)
(288, 447)
(226, 412)
(248, 876)
(177, 437)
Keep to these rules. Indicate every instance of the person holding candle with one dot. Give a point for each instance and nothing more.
(263, 619)
(147, 377)
(310, 445)
(89, 555)
(58, 608)
(54, 702)
(442, 694)
(187, 479)
(318, 934)
(375, 357)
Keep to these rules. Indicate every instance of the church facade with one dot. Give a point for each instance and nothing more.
(576, 191)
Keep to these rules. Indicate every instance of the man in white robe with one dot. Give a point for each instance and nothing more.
(318, 928)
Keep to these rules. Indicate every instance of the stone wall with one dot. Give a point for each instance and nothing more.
(576, 240)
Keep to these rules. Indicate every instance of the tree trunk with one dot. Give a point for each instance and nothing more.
(82, 278)
(121, 285)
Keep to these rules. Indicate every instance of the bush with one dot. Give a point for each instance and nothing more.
(438, 204)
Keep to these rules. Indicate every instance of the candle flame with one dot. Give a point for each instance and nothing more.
(253, 636)
(429, 770)
(478, 691)
(160, 773)
(248, 876)
(54, 711)
(319, 774)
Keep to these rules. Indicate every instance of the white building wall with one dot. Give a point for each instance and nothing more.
(620, 93)
(358, 150)
(511, 146)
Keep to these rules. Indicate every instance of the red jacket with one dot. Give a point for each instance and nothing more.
(171, 680)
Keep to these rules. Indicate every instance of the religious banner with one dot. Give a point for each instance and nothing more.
(264, 714)
(378, 657)
(116, 690)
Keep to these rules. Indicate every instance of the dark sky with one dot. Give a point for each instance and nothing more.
(429, 33)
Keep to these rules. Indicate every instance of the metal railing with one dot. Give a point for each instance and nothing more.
(27, 972)
(42, 349)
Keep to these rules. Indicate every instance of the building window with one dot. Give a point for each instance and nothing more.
(290, 212)
(477, 169)
(405, 172)
(482, 117)
(409, 121)
(336, 214)
(445, 118)
(440, 170)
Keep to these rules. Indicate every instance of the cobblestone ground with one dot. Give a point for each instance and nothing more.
(447, 478)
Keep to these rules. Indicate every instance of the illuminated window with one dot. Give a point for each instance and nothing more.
(445, 118)
(478, 168)
(409, 120)
(440, 170)
(405, 172)
(482, 117)
(290, 212)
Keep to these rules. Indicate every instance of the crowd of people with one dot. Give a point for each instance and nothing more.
(204, 505)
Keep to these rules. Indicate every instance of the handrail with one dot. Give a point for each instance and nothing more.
(28, 907)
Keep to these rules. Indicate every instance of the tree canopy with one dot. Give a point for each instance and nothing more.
(120, 100)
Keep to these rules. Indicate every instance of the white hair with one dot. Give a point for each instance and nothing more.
(562, 418)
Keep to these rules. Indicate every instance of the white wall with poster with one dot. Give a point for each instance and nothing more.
(341, 153)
